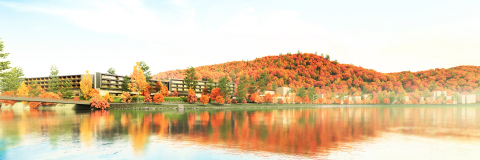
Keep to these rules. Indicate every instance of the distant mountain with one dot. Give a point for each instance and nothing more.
(312, 70)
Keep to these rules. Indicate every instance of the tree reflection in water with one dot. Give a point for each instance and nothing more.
(287, 131)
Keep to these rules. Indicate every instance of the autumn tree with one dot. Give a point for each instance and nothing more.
(111, 70)
(175, 93)
(158, 98)
(34, 89)
(108, 97)
(219, 100)
(158, 86)
(204, 99)
(386, 100)
(86, 85)
(311, 93)
(215, 93)
(274, 86)
(241, 88)
(11, 80)
(267, 98)
(192, 97)
(190, 78)
(138, 81)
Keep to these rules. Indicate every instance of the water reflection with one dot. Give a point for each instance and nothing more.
(299, 132)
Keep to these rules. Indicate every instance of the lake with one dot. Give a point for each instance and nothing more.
(378, 132)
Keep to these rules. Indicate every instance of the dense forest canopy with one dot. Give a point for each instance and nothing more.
(312, 70)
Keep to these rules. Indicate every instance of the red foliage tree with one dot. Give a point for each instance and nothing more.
(215, 93)
(281, 101)
(126, 98)
(234, 101)
(346, 101)
(99, 103)
(175, 94)
(192, 97)
(8, 94)
(298, 100)
(147, 98)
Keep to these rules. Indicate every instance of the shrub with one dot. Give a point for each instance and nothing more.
(234, 101)
(108, 97)
(219, 99)
(10, 94)
(228, 100)
(298, 100)
(35, 104)
(175, 94)
(259, 100)
(386, 101)
(346, 101)
(126, 98)
(158, 98)
(281, 101)
(204, 99)
(99, 103)
(192, 97)
(76, 98)
(139, 98)
(147, 98)
(174, 99)
(244, 101)
(215, 93)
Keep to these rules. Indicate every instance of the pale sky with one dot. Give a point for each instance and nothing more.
(95, 35)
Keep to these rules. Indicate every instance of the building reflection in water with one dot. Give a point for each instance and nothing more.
(287, 131)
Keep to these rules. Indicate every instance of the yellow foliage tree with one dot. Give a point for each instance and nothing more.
(138, 80)
(86, 85)
(23, 91)
(108, 97)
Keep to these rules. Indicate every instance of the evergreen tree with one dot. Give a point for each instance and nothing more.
(263, 82)
(4, 65)
(301, 92)
(328, 57)
(252, 87)
(34, 89)
(145, 68)
(241, 88)
(274, 86)
(12, 79)
(190, 78)
(392, 96)
(210, 85)
(66, 90)
(426, 93)
(125, 82)
(311, 93)
(223, 85)
(54, 84)
(111, 70)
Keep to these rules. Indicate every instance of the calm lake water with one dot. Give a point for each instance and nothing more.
(383, 132)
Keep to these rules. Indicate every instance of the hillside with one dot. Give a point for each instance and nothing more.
(311, 70)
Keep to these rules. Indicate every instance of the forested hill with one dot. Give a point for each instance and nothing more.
(312, 70)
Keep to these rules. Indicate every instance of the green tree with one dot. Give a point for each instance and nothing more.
(34, 91)
(210, 85)
(241, 88)
(274, 86)
(380, 97)
(252, 86)
(401, 96)
(190, 78)
(66, 90)
(125, 82)
(54, 84)
(426, 93)
(145, 68)
(223, 85)
(301, 92)
(111, 70)
(328, 57)
(4, 65)
(392, 96)
(311, 93)
(12, 79)
(456, 97)
(263, 82)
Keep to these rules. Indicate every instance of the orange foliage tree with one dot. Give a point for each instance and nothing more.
(281, 101)
(298, 100)
(9, 94)
(346, 101)
(306, 100)
(126, 98)
(219, 99)
(267, 98)
(386, 101)
(99, 103)
(234, 101)
(253, 97)
(23, 91)
(158, 98)
(165, 91)
(204, 99)
(147, 98)
(138, 80)
(49, 95)
(86, 85)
